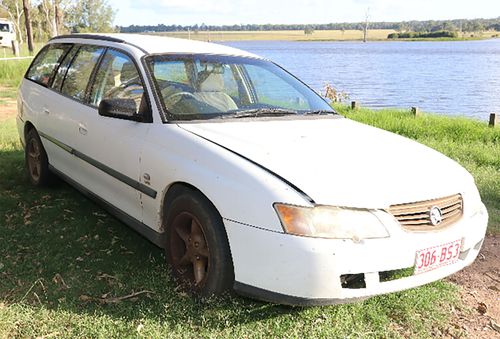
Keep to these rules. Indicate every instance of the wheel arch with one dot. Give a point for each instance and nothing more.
(28, 126)
(176, 188)
(173, 190)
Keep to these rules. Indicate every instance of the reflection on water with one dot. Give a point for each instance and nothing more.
(454, 78)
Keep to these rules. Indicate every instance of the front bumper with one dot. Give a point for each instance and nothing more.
(296, 270)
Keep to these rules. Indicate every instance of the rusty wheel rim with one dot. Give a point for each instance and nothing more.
(189, 250)
(34, 163)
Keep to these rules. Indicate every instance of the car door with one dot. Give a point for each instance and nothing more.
(113, 145)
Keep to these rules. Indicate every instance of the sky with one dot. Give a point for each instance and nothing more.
(228, 12)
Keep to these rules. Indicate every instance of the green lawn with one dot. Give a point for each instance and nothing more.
(11, 73)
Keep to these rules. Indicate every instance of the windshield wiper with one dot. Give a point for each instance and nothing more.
(259, 112)
(319, 112)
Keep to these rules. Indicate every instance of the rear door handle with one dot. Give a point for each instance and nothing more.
(46, 110)
(82, 129)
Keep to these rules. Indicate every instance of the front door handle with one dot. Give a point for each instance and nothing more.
(46, 110)
(82, 129)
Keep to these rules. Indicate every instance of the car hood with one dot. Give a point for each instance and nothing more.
(336, 161)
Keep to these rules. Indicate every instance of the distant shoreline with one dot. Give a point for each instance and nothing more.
(319, 35)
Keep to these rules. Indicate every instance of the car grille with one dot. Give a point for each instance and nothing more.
(416, 216)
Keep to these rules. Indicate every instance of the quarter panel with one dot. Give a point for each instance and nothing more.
(240, 190)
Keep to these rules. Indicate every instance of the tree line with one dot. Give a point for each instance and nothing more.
(462, 25)
(39, 20)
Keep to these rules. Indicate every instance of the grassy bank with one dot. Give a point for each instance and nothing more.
(11, 73)
(326, 35)
(23, 50)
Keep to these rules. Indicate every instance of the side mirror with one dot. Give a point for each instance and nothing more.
(119, 108)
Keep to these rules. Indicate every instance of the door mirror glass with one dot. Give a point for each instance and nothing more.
(121, 108)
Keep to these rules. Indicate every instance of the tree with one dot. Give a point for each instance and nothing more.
(308, 30)
(50, 11)
(365, 27)
(15, 11)
(90, 16)
(27, 23)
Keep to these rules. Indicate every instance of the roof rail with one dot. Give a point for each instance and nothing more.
(88, 36)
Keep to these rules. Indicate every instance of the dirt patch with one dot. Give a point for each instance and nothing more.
(480, 291)
(8, 106)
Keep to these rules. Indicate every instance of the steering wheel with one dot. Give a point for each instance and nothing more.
(171, 96)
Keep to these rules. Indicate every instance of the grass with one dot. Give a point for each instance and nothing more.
(323, 35)
(11, 73)
(23, 50)
(61, 255)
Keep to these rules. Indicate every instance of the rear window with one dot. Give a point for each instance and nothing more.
(45, 63)
(78, 75)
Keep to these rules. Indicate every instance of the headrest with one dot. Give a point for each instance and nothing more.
(210, 82)
(128, 72)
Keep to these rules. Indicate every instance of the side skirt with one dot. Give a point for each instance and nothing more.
(147, 232)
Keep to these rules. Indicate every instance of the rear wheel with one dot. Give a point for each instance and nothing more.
(197, 248)
(37, 163)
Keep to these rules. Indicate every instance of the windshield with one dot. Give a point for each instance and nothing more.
(4, 28)
(197, 87)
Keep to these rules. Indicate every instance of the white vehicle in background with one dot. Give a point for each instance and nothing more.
(245, 176)
(7, 33)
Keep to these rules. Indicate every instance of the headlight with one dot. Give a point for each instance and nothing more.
(330, 222)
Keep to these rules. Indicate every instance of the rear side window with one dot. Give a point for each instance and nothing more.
(78, 74)
(117, 77)
(63, 68)
(42, 68)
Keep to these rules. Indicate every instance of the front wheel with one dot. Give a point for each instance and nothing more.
(37, 163)
(197, 248)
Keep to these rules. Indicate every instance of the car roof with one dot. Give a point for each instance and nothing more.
(153, 44)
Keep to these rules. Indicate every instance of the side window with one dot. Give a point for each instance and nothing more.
(63, 68)
(45, 63)
(229, 81)
(116, 78)
(78, 74)
(272, 90)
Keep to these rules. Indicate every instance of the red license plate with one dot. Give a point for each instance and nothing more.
(437, 256)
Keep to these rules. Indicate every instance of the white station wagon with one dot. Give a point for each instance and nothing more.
(244, 175)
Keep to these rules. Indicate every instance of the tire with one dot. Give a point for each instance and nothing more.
(196, 246)
(36, 161)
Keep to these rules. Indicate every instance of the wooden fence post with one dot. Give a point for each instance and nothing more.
(354, 105)
(15, 47)
(493, 120)
(415, 111)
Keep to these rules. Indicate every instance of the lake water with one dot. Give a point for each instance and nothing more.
(453, 78)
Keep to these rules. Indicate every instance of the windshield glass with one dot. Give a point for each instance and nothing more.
(195, 87)
(4, 28)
